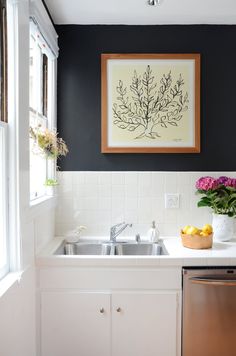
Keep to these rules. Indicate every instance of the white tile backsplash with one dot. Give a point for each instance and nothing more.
(104, 178)
(131, 178)
(101, 199)
(118, 178)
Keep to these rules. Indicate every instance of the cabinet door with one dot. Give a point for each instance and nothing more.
(75, 324)
(144, 324)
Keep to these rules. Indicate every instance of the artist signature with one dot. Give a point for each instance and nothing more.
(177, 139)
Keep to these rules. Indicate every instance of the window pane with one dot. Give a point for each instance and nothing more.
(40, 109)
(38, 164)
(37, 176)
(32, 88)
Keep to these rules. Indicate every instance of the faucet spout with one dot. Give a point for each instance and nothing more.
(117, 230)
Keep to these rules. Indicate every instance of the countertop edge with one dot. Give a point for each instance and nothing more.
(222, 254)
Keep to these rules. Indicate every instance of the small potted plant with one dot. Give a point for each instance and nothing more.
(50, 185)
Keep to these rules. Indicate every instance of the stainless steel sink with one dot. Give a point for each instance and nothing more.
(149, 249)
(107, 248)
(84, 248)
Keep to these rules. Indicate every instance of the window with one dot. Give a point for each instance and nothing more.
(4, 255)
(42, 64)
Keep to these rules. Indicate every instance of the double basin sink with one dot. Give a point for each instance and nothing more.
(107, 248)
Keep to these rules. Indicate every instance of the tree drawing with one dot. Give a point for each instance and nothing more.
(145, 106)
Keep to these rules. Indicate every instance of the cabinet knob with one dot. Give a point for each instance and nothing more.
(102, 310)
(118, 310)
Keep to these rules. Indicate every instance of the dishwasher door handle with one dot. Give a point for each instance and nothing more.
(213, 282)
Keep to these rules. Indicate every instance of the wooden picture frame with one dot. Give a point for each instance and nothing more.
(150, 103)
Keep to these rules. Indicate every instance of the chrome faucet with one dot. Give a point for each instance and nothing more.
(115, 231)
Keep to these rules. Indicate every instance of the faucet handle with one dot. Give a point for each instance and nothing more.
(121, 224)
(117, 230)
(117, 225)
(137, 238)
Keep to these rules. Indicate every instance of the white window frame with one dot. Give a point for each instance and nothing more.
(4, 204)
(4, 149)
(14, 241)
(49, 121)
(48, 35)
(18, 209)
(37, 109)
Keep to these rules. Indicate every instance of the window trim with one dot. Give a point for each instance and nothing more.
(5, 139)
(39, 16)
(4, 129)
(15, 257)
(3, 29)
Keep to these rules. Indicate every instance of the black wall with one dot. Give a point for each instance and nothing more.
(79, 94)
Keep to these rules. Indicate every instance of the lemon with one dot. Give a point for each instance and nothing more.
(207, 229)
(185, 229)
(192, 230)
(204, 233)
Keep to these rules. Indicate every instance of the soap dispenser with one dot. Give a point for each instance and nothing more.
(153, 233)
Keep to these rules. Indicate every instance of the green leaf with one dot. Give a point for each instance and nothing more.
(203, 203)
(205, 200)
(231, 189)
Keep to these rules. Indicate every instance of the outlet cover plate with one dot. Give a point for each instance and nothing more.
(172, 201)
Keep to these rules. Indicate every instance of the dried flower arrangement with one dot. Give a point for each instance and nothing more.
(48, 143)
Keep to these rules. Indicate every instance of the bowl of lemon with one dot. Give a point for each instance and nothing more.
(193, 237)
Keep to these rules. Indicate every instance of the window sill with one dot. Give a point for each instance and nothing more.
(39, 205)
(41, 200)
(8, 281)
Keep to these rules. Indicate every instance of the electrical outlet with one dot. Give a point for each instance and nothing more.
(171, 201)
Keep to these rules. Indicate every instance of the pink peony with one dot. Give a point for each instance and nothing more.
(206, 183)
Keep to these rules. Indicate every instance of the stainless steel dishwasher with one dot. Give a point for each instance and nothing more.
(209, 312)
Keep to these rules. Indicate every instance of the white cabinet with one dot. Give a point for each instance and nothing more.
(144, 324)
(115, 324)
(74, 323)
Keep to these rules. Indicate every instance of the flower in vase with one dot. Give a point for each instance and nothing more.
(218, 194)
(207, 183)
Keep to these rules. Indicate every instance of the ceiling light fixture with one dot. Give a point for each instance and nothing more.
(154, 2)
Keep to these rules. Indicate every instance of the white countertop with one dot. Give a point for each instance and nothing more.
(221, 254)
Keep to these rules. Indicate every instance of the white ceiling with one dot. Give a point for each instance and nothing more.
(134, 12)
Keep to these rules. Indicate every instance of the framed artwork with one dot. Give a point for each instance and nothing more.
(150, 103)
